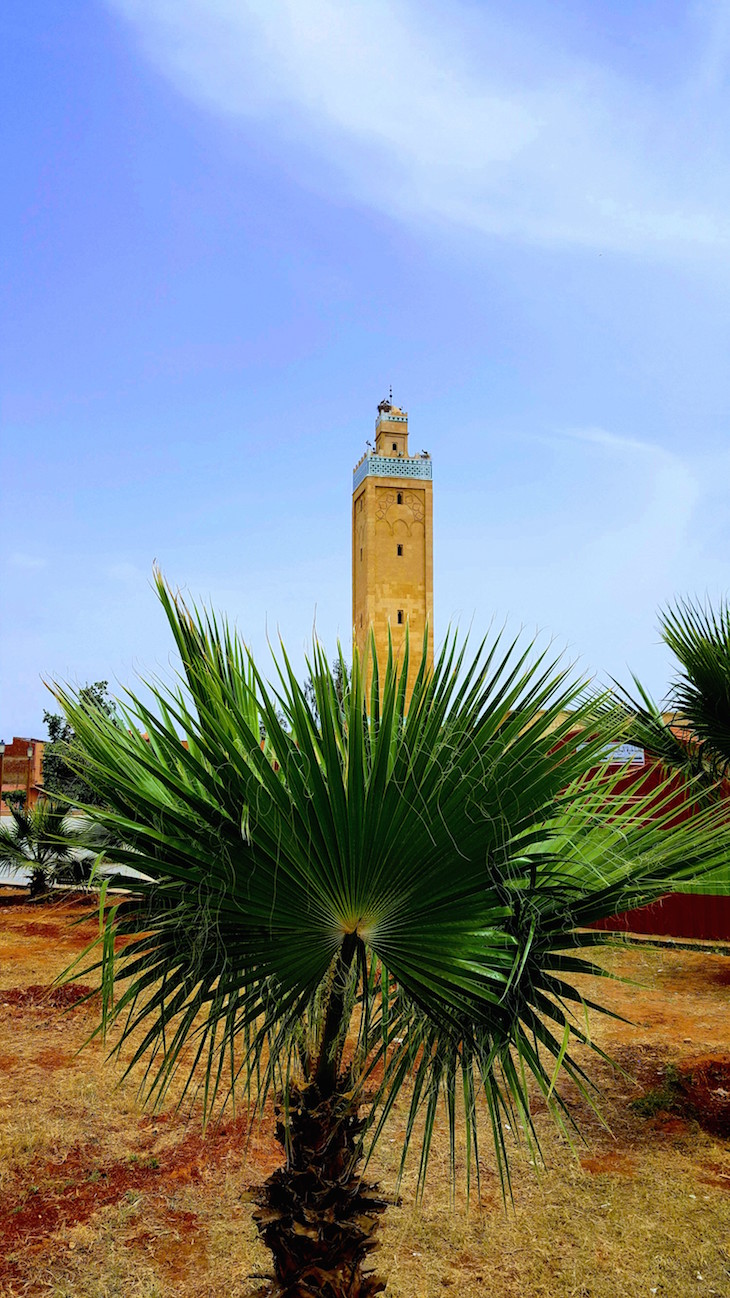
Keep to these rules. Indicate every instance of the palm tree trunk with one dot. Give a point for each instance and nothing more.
(37, 884)
(315, 1214)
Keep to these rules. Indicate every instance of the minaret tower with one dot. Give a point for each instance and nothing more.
(392, 540)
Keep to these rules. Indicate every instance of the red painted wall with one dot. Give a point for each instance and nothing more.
(676, 915)
(686, 915)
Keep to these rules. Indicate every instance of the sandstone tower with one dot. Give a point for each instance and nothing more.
(392, 540)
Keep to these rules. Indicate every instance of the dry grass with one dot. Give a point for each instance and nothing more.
(102, 1200)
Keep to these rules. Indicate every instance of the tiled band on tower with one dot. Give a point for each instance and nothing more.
(392, 541)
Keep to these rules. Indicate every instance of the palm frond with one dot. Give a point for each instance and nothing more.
(433, 866)
(672, 744)
(699, 636)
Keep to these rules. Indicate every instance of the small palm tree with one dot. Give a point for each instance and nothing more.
(372, 897)
(696, 740)
(45, 841)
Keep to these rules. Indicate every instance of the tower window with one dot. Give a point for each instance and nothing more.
(400, 497)
(400, 550)
(360, 553)
(400, 617)
(395, 446)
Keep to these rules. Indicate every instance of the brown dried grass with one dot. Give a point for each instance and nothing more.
(102, 1199)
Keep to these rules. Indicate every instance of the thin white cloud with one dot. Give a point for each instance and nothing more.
(634, 554)
(443, 114)
(127, 572)
(615, 442)
(27, 562)
(713, 20)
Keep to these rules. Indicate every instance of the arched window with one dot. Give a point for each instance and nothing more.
(400, 497)
(400, 550)
(400, 617)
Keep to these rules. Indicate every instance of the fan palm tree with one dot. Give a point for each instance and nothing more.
(697, 739)
(374, 900)
(46, 842)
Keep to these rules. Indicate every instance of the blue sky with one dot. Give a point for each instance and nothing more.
(228, 225)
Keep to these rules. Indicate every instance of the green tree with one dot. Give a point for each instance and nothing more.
(49, 843)
(63, 764)
(15, 798)
(341, 676)
(696, 740)
(378, 895)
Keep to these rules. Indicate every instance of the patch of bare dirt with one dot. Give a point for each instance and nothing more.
(77, 1185)
(676, 1000)
(67, 996)
(611, 1163)
(669, 1126)
(705, 1083)
(715, 1174)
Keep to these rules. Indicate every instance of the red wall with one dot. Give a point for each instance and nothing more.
(677, 914)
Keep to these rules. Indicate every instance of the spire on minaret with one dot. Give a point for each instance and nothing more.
(391, 429)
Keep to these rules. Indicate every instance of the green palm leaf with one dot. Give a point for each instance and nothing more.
(696, 741)
(648, 726)
(699, 636)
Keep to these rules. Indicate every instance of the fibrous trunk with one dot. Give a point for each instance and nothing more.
(38, 883)
(316, 1215)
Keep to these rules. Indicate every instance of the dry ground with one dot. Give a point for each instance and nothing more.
(99, 1199)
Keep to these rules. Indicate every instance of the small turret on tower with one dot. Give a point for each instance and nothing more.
(391, 429)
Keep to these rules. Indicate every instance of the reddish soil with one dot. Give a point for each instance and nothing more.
(75, 1186)
(64, 997)
(716, 1175)
(614, 1164)
(667, 1125)
(99, 1161)
(705, 1085)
